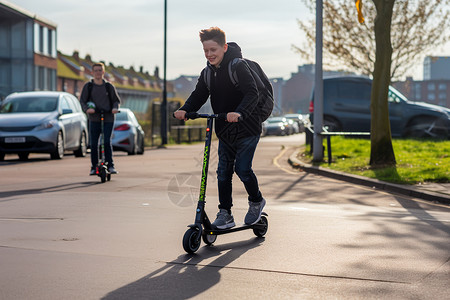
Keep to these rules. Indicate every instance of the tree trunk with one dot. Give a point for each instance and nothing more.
(382, 152)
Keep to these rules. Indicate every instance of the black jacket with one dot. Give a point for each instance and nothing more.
(103, 101)
(225, 97)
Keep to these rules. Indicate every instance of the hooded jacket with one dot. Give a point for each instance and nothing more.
(225, 97)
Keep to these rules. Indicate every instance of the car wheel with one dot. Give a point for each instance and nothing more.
(141, 147)
(58, 153)
(133, 151)
(24, 155)
(427, 127)
(82, 150)
(332, 124)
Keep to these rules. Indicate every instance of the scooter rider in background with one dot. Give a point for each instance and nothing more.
(239, 133)
(99, 95)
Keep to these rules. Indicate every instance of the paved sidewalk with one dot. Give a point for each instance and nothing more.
(436, 192)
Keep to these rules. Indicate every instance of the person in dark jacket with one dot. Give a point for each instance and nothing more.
(100, 96)
(239, 133)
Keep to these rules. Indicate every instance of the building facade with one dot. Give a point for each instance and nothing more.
(435, 92)
(28, 57)
(436, 68)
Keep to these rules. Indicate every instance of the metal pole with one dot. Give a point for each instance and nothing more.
(164, 120)
(318, 90)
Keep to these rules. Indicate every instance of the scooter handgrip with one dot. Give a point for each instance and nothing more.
(222, 116)
(192, 115)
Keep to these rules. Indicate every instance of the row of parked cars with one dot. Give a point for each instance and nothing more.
(54, 123)
(346, 108)
(285, 125)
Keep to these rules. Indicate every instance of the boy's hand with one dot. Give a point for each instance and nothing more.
(90, 111)
(233, 117)
(180, 115)
(114, 110)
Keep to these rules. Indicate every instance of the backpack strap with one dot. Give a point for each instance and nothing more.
(234, 78)
(232, 70)
(207, 77)
(109, 92)
(89, 88)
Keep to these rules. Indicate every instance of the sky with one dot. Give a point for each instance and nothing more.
(131, 32)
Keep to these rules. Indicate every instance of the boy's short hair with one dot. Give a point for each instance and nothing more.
(214, 33)
(98, 65)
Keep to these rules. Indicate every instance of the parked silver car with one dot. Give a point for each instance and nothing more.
(276, 126)
(128, 135)
(42, 122)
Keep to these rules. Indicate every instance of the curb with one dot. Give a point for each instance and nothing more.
(369, 182)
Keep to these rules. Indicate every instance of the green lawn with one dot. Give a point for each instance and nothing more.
(417, 160)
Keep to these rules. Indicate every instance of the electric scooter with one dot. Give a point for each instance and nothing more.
(102, 167)
(202, 228)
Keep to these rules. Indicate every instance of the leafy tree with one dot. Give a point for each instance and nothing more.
(417, 28)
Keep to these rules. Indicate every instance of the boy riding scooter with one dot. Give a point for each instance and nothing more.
(239, 132)
(104, 95)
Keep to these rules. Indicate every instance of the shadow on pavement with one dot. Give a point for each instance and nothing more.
(49, 189)
(186, 276)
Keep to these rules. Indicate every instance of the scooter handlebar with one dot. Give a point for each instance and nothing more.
(195, 115)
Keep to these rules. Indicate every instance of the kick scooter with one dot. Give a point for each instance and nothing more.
(202, 228)
(102, 167)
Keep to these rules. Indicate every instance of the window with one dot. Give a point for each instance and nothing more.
(431, 97)
(71, 103)
(442, 87)
(431, 87)
(354, 90)
(64, 104)
(50, 42)
(41, 39)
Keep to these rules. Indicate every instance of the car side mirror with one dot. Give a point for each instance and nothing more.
(67, 111)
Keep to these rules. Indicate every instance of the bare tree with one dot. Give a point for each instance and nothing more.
(417, 28)
(381, 150)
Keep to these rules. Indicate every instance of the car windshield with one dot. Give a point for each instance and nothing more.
(395, 96)
(29, 104)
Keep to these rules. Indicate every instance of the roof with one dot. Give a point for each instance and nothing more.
(17, 9)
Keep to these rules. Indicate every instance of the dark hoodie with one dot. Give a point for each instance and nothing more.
(225, 97)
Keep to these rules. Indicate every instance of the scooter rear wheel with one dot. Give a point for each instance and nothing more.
(209, 239)
(191, 240)
(260, 232)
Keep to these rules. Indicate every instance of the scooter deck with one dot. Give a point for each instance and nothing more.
(213, 231)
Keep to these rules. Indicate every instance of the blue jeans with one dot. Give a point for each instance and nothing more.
(94, 134)
(237, 157)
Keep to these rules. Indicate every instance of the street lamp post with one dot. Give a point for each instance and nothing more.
(164, 117)
(318, 86)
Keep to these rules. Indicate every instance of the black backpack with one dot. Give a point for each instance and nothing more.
(265, 89)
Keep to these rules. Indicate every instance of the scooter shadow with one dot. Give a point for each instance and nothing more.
(186, 276)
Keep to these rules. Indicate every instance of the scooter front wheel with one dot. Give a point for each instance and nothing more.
(191, 240)
(102, 175)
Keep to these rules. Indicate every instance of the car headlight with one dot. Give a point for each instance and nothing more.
(46, 125)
